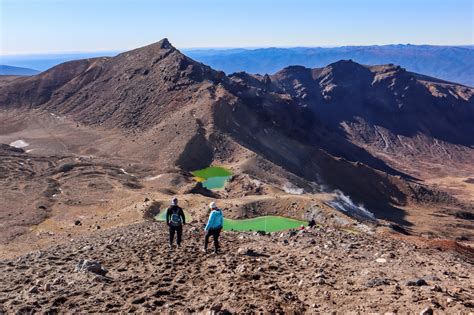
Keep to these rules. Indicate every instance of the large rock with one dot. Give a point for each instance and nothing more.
(427, 311)
(91, 266)
(33, 290)
(416, 282)
(377, 282)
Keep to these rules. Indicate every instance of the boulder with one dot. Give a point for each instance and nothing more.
(427, 311)
(216, 307)
(376, 282)
(247, 252)
(33, 290)
(416, 282)
(91, 266)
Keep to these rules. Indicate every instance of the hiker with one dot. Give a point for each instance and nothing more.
(175, 220)
(311, 223)
(213, 226)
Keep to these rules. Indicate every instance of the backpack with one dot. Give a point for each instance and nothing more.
(175, 217)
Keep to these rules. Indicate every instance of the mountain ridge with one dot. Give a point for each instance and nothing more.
(12, 70)
(451, 63)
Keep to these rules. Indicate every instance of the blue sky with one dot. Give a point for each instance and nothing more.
(38, 26)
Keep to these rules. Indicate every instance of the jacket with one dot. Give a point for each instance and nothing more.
(178, 211)
(216, 220)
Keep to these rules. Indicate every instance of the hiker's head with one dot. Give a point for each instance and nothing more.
(174, 201)
(213, 206)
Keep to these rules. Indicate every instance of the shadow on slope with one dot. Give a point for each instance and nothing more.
(379, 192)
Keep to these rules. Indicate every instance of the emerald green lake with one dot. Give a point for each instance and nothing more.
(266, 223)
(213, 177)
(215, 182)
(162, 216)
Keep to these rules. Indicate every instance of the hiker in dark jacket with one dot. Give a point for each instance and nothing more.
(175, 220)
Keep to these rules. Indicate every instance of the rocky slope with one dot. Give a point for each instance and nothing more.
(316, 270)
(371, 105)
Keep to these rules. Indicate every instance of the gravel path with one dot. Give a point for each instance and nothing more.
(320, 269)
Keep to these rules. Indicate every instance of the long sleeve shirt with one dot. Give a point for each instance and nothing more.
(216, 220)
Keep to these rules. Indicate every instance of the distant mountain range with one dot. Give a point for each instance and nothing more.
(451, 63)
(10, 70)
(43, 62)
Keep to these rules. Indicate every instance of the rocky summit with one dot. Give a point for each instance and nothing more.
(92, 151)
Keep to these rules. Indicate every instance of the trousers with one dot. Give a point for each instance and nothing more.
(215, 234)
(179, 231)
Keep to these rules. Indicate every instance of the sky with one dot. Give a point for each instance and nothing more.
(47, 26)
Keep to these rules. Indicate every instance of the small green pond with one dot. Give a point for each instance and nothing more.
(266, 223)
(213, 177)
(162, 216)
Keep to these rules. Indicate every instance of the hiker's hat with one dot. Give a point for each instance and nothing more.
(213, 205)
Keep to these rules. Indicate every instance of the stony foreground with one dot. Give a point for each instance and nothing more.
(321, 269)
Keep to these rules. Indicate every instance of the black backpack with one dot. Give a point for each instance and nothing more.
(175, 216)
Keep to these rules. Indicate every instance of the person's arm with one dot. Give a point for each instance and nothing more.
(221, 220)
(211, 218)
(181, 213)
(168, 216)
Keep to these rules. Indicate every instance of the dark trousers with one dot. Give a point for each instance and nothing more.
(179, 231)
(215, 234)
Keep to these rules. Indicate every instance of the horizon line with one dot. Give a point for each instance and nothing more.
(70, 52)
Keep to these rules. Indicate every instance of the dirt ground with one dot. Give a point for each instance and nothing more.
(316, 270)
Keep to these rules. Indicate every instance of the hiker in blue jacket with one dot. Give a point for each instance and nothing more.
(214, 226)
